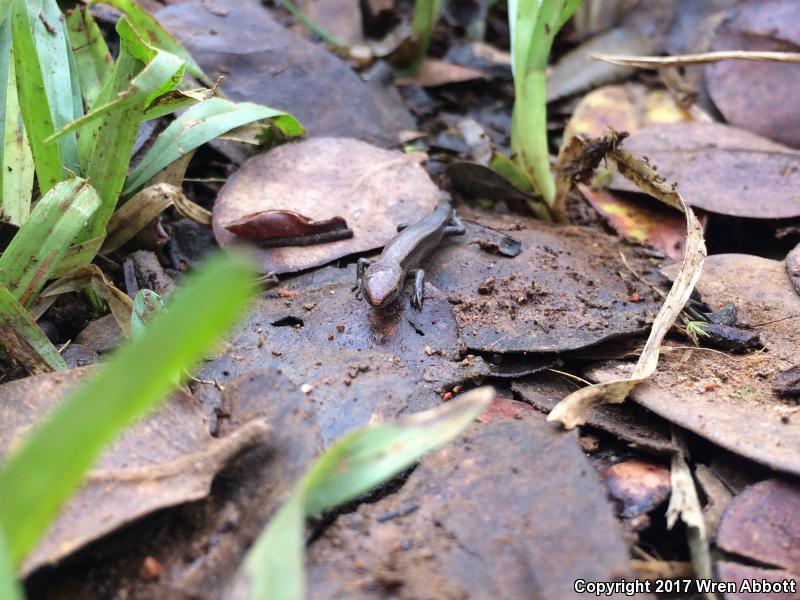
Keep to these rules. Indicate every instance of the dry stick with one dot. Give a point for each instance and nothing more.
(657, 62)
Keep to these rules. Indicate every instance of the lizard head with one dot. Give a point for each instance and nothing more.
(383, 284)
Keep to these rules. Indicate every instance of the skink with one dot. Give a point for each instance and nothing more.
(381, 281)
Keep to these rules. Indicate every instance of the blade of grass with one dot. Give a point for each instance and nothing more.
(43, 473)
(274, 566)
(52, 46)
(175, 100)
(9, 588)
(115, 133)
(16, 165)
(78, 256)
(23, 339)
(150, 29)
(198, 125)
(39, 245)
(39, 123)
(91, 53)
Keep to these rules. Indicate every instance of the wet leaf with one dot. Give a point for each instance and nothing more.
(266, 64)
(722, 169)
(374, 190)
(628, 422)
(562, 292)
(357, 364)
(165, 459)
(661, 228)
(725, 398)
(762, 524)
(435, 73)
(628, 107)
(453, 528)
(758, 96)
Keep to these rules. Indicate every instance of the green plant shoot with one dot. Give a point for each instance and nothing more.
(533, 25)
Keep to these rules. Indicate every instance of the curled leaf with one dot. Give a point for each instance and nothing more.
(288, 228)
(574, 409)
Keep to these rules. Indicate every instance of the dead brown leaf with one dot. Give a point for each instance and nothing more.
(168, 458)
(374, 190)
(761, 97)
(722, 169)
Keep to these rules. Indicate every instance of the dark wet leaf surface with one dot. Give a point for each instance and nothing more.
(511, 510)
(357, 363)
(726, 398)
(762, 524)
(759, 96)
(567, 289)
(374, 190)
(628, 422)
(167, 459)
(264, 62)
(722, 169)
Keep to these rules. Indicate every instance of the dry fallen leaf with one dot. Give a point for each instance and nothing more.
(374, 190)
(722, 169)
(761, 97)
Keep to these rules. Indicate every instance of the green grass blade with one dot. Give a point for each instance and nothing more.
(91, 53)
(38, 119)
(175, 100)
(16, 161)
(198, 125)
(24, 340)
(48, 468)
(114, 134)
(150, 29)
(569, 9)
(426, 14)
(78, 256)
(274, 566)
(50, 37)
(41, 243)
(9, 589)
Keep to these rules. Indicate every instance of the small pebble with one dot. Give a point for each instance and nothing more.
(306, 388)
(150, 570)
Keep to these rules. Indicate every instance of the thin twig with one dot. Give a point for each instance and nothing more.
(657, 62)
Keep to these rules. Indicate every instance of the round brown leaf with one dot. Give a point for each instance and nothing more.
(375, 190)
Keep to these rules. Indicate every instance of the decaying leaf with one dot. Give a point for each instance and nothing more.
(729, 399)
(374, 190)
(166, 459)
(562, 292)
(288, 228)
(762, 524)
(264, 62)
(759, 96)
(573, 409)
(722, 169)
(793, 267)
(517, 491)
